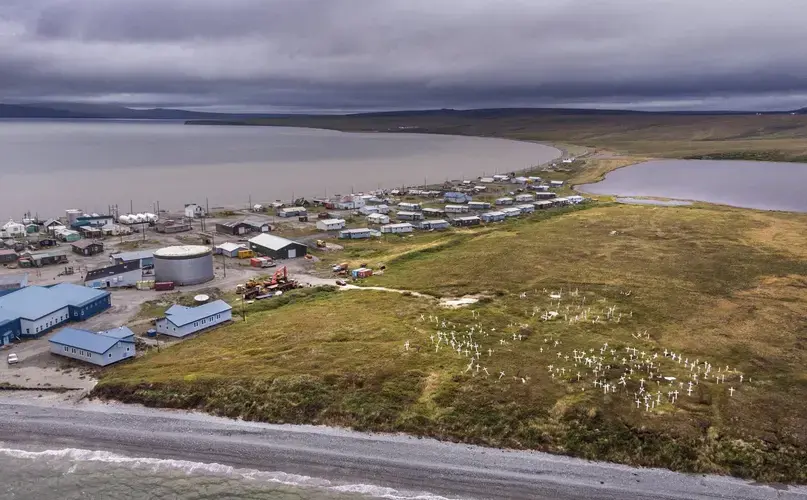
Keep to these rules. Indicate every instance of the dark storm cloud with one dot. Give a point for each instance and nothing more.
(355, 54)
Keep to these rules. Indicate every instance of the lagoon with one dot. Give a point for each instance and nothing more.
(747, 184)
(49, 166)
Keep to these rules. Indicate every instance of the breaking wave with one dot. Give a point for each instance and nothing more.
(78, 456)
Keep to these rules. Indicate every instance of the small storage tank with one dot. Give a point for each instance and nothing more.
(72, 215)
(184, 265)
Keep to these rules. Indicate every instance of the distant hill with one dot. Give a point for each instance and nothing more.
(99, 111)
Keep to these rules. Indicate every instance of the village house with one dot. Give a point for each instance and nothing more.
(355, 234)
(504, 201)
(511, 212)
(330, 224)
(525, 198)
(194, 211)
(378, 219)
(433, 212)
(230, 249)
(493, 216)
(101, 349)
(457, 209)
(434, 224)
(404, 227)
(87, 247)
(478, 205)
(276, 247)
(410, 207)
(116, 276)
(456, 197)
(526, 208)
(292, 212)
(181, 321)
(235, 228)
(472, 220)
(409, 216)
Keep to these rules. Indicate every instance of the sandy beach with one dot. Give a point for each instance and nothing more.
(393, 461)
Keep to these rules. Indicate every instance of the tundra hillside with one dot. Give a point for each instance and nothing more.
(579, 313)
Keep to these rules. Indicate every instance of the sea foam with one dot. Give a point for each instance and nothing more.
(78, 456)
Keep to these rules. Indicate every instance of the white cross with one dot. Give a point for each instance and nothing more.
(731, 391)
(501, 374)
(406, 345)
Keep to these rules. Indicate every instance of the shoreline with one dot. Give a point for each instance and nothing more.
(340, 455)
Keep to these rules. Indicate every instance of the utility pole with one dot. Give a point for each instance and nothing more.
(131, 206)
(224, 263)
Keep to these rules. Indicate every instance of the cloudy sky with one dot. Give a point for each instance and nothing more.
(347, 55)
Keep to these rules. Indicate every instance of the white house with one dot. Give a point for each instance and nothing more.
(102, 348)
(487, 180)
(355, 234)
(330, 224)
(555, 184)
(526, 208)
(511, 212)
(13, 229)
(501, 178)
(181, 321)
(409, 216)
(194, 211)
(525, 198)
(457, 209)
(409, 207)
(575, 199)
(383, 209)
(292, 212)
(404, 227)
(117, 276)
(351, 202)
(520, 180)
(378, 219)
(492, 216)
(369, 209)
(504, 201)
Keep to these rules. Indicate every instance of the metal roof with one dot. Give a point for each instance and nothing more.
(333, 221)
(231, 247)
(108, 271)
(272, 242)
(31, 303)
(7, 251)
(82, 339)
(127, 256)
(402, 224)
(356, 230)
(82, 244)
(186, 315)
(121, 332)
(76, 295)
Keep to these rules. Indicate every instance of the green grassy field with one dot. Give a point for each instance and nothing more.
(724, 286)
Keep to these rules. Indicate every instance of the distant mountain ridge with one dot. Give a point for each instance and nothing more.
(100, 111)
(109, 111)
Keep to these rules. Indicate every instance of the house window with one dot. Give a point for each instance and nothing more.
(89, 354)
(81, 352)
(74, 350)
(66, 349)
(28, 330)
(110, 354)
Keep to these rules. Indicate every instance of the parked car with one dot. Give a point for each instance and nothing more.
(13, 359)
(341, 282)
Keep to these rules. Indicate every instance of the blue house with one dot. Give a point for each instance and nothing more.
(102, 349)
(10, 328)
(41, 309)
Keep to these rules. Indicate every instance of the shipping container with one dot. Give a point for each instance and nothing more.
(162, 286)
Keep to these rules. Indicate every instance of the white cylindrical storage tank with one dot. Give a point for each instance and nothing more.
(125, 219)
(184, 265)
(72, 215)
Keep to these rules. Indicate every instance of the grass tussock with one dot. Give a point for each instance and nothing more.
(713, 283)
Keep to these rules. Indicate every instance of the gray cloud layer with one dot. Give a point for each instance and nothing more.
(364, 54)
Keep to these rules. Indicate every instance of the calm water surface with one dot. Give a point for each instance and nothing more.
(748, 184)
(49, 166)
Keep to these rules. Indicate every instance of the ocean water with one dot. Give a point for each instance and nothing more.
(78, 474)
(747, 184)
(50, 166)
